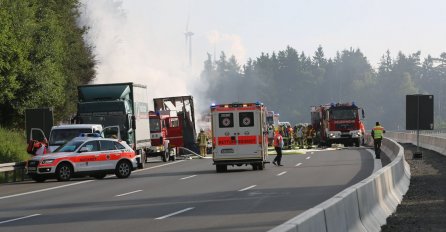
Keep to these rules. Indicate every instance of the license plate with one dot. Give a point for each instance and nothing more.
(32, 169)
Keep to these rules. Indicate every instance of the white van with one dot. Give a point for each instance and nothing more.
(240, 135)
(59, 135)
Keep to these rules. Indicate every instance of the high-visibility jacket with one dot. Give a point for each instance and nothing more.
(378, 132)
(202, 139)
(278, 140)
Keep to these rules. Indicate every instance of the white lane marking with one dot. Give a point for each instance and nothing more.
(81, 182)
(308, 157)
(162, 165)
(44, 190)
(187, 177)
(175, 213)
(312, 152)
(281, 173)
(16, 219)
(297, 165)
(120, 195)
(250, 187)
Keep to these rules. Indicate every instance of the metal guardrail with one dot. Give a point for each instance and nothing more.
(12, 172)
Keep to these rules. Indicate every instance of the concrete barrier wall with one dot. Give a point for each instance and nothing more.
(426, 141)
(363, 207)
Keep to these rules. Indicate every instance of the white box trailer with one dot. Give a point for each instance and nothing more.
(240, 135)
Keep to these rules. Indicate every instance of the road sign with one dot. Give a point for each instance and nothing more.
(419, 112)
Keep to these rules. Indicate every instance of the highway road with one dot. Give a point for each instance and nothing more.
(185, 195)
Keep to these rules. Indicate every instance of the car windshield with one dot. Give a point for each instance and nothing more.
(155, 125)
(70, 146)
(61, 136)
(343, 114)
(270, 120)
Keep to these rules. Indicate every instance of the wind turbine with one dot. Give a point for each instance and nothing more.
(188, 36)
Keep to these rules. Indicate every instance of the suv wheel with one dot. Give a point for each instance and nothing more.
(64, 172)
(123, 169)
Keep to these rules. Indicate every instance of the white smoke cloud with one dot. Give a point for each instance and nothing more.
(232, 42)
(129, 49)
(124, 53)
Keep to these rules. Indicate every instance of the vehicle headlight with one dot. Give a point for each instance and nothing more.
(48, 161)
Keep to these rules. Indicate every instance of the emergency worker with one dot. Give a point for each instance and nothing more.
(299, 136)
(278, 143)
(290, 135)
(202, 141)
(377, 135)
(41, 147)
(362, 129)
(310, 135)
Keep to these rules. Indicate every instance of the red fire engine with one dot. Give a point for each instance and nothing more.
(160, 145)
(338, 123)
(177, 118)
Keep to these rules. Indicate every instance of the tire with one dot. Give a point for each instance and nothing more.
(38, 179)
(221, 168)
(255, 167)
(165, 156)
(99, 176)
(261, 166)
(64, 172)
(123, 169)
(328, 143)
(357, 142)
(142, 162)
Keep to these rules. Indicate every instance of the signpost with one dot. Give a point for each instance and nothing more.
(419, 116)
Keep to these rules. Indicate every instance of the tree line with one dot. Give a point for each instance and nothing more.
(290, 82)
(43, 58)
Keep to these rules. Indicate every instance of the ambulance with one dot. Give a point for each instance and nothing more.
(239, 135)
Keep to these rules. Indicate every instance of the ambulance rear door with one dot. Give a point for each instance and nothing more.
(249, 135)
(237, 133)
(224, 133)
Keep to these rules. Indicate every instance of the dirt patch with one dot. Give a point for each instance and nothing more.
(423, 207)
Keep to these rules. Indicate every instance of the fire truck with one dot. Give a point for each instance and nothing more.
(178, 120)
(338, 123)
(158, 131)
(239, 135)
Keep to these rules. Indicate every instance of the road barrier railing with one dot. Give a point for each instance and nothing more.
(364, 206)
(429, 141)
(12, 172)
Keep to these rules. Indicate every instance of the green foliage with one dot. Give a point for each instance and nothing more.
(13, 146)
(290, 82)
(42, 58)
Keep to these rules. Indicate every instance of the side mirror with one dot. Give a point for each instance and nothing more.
(363, 114)
(84, 149)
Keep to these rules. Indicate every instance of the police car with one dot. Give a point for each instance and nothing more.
(84, 156)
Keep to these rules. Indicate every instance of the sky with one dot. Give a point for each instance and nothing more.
(143, 40)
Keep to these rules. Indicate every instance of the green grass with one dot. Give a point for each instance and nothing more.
(12, 146)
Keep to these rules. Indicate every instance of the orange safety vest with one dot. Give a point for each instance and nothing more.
(278, 140)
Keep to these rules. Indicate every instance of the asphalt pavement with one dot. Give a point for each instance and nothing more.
(185, 195)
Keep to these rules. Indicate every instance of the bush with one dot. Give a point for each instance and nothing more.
(12, 146)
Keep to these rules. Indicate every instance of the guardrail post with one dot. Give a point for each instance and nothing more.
(14, 175)
(22, 172)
